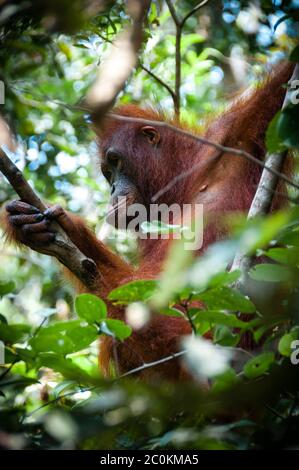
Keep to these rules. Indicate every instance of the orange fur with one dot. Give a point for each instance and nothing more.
(231, 183)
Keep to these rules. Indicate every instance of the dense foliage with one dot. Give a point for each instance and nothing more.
(52, 394)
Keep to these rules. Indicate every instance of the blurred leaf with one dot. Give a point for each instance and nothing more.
(259, 232)
(225, 336)
(65, 367)
(284, 345)
(64, 385)
(134, 291)
(217, 317)
(17, 381)
(290, 238)
(173, 277)
(171, 311)
(64, 337)
(90, 308)
(190, 39)
(294, 56)
(3, 319)
(225, 381)
(273, 142)
(224, 278)
(287, 126)
(225, 298)
(14, 333)
(258, 365)
(6, 288)
(270, 273)
(288, 255)
(115, 328)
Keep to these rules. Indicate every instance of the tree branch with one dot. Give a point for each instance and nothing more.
(116, 69)
(178, 64)
(194, 10)
(147, 365)
(179, 25)
(62, 248)
(263, 198)
(160, 81)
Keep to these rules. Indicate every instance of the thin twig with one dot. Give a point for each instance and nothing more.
(160, 81)
(94, 387)
(57, 399)
(147, 365)
(179, 25)
(178, 62)
(194, 10)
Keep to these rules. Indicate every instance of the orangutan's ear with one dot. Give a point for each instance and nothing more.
(151, 134)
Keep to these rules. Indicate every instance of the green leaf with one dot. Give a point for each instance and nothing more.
(26, 354)
(115, 328)
(224, 336)
(191, 39)
(218, 317)
(294, 56)
(90, 308)
(18, 381)
(259, 232)
(224, 278)
(270, 273)
(258, 365)
(288, 256)
(52, 343)
(290, 238)
(273, 143)
(14, 333)
(173, 278)
(287, 126)
(284, 345)
(64, 337)
(6, 288)
(171, 312)
(62, 386)
(65, 367)
(10, 356)
(225, 381)
(282, 132)
(225, 298)
(133, 292)
(3, 319)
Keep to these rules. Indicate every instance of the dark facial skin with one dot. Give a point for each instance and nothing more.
(113, 167)
(121, 187)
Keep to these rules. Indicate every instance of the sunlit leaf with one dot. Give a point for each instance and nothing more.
(218, 317)
(270, 273)
(258, 365)
(116, 328)
(225, 298)
(14, 333)
(135, 291)
(90, 308)
(6, 288)
(285, 342)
